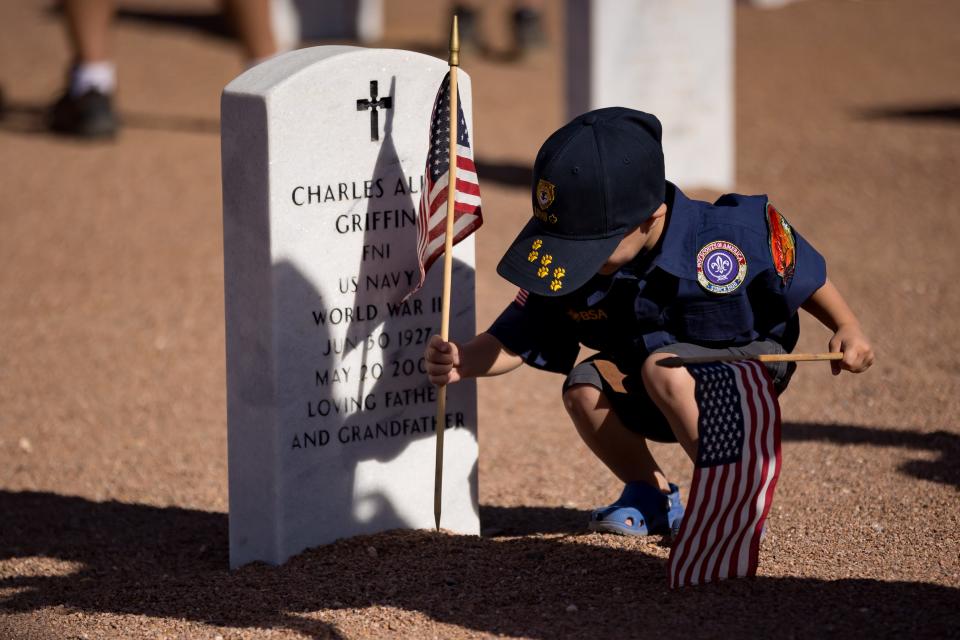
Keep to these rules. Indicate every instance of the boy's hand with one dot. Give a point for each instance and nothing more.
(443, 361)
(857, 352)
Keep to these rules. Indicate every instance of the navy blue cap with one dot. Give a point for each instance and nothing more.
(594, 180)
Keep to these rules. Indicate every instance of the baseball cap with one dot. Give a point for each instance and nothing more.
(594, 179)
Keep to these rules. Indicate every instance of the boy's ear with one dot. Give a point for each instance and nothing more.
(654, 217)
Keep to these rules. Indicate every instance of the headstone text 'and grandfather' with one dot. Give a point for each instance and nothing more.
(330, 415)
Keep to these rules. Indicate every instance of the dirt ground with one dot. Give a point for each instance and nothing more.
(112, 396)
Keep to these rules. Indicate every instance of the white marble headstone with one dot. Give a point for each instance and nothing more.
(331, 419)
(673, 59)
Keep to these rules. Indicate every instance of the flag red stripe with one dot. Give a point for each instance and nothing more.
(701, 498)
(678, 550)
(729, 503)
(723, 525)
(706, 538)
(439, 200)
(463, 207)
(751, 451)
(773, 409)
(745, 485)
(753, 482)
(737, 486)
(763, 382)
(471, 188)
(430, 226)
(473, 226)
(750, 545)
(436, 253)
(440, 229)
(745, 541)
(702, 477)
(732, 516)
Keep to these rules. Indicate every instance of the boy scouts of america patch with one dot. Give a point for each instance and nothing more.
(721, 267)
(783, 246)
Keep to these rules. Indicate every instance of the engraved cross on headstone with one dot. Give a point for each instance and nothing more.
(372, 104)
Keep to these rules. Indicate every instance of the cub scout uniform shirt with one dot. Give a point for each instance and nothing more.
(725, 274)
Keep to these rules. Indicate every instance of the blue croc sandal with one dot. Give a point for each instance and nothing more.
(641, 510)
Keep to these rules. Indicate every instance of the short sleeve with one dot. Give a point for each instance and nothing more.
(536, 331)
(801, 270)
(810, 274)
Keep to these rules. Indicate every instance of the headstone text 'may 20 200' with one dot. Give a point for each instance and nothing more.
(330, 415)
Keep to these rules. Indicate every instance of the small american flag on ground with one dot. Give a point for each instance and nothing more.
(431, 222)
(738, 462)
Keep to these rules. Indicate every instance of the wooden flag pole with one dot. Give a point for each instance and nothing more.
(680, 361)
(447, 265)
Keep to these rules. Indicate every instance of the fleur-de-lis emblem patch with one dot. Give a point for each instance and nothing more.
(721, 267)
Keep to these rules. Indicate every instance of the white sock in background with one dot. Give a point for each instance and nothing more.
(101, 76)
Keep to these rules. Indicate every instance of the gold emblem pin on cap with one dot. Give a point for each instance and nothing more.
(546, 193)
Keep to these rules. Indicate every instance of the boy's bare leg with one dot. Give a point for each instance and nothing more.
(251, 19)
(624, 452)
(672, 390)
(88, 23)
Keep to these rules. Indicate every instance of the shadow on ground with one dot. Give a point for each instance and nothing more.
(208, 23)
(508, 174)
(31, 118)
(525, 521)
(137, 559)
(943, 112)
(944, 469)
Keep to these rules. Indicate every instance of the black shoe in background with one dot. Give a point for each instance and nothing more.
(89, 115)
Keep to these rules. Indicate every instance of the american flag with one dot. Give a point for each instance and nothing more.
(735, 474)
(431, 222)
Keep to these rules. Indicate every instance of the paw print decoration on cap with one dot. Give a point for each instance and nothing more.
(594, 179)
(545, 261)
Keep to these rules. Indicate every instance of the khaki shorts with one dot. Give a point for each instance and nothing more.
(628, 397)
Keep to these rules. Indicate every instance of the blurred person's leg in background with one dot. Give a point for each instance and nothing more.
(528, 30)
(525, 23)
(252, 24)
(86, 107)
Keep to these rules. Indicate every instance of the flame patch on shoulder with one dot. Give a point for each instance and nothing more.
(783, 245)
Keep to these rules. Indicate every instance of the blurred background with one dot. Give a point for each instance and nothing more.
(111, 273)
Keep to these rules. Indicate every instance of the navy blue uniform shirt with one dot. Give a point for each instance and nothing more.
(723, 274)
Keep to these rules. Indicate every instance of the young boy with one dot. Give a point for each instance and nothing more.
(619, 260)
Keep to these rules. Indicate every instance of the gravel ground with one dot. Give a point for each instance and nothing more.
(112, 407)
